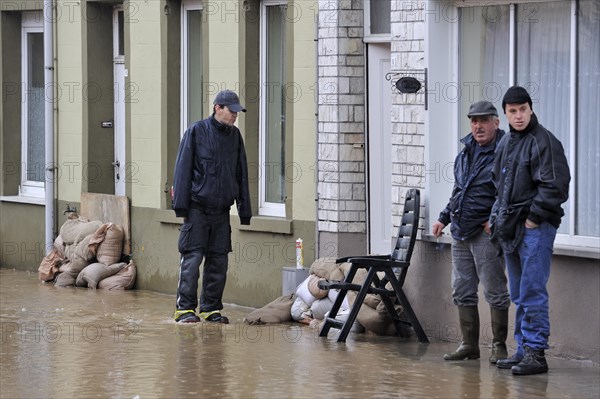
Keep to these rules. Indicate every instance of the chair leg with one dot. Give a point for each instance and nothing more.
(337, 304)
(407, 308)
(356, 306)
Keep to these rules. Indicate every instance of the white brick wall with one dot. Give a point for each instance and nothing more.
(341, 107)
(341, 74)
(408, 111)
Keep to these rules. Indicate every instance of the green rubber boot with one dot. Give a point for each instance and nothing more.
(469, 326)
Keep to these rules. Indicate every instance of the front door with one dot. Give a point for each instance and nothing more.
(119, 101)
(379, 149)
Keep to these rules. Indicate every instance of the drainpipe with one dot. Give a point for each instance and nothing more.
(49, 122)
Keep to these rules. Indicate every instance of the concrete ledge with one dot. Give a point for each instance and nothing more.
(21, 199)
(167, 216)
(267, 224)
(258, 223)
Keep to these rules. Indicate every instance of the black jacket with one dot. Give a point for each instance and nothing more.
(211, 171)
(532, 178)
(474, 193)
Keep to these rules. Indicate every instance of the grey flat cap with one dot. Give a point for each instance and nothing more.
(482, 108)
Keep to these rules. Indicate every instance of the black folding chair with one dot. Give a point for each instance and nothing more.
(399, 259)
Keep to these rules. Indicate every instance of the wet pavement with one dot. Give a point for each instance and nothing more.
(82, 343)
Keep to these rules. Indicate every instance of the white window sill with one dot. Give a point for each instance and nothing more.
(559, 248)
(23, 199)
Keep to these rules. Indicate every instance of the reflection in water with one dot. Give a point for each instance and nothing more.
(84, 343)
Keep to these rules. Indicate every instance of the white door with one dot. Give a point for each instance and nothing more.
(379, 149)
(120, 73)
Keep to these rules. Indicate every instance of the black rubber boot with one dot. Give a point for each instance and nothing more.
(534, 362)
(469, 326)
(500, 331)
(509, 362)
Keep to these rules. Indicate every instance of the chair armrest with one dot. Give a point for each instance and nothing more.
(345, 259)
(377, 262)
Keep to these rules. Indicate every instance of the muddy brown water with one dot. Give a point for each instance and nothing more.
(81, 343)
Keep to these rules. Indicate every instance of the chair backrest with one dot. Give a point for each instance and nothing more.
(407, 233)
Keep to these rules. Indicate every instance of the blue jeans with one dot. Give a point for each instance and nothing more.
(528, 272)
(475, 260)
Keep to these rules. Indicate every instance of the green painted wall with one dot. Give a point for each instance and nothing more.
(21, 235)
(255, 265)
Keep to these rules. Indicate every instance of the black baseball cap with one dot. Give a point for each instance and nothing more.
(481, 108)
(229, 98)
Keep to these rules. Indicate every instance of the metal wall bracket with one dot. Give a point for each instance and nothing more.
(409, 81)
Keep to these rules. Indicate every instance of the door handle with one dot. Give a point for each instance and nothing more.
(117, 165)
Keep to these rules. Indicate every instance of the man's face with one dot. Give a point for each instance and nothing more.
(518, 115)
(224, 115)
(484, 128)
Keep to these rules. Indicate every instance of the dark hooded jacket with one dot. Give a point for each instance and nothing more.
(532, 176)
(211, 171)
(474, 193)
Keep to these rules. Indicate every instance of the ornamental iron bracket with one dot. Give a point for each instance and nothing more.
(409, 81)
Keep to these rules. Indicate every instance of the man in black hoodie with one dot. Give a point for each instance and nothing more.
(532, 178)
(474, 258)
(211, 172)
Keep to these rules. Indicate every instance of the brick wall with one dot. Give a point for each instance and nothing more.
(341, 120)
(408, 110)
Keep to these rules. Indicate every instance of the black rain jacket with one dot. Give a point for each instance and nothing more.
(211, 170)
(532, 178)
(474, 193)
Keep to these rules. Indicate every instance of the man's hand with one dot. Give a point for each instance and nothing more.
(530, 225)
(437, 228)
(486, 227)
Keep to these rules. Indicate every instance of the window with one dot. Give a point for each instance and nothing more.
(550, 48)
(272, 110)
(191, 63)
(32, 106)
(378, 20)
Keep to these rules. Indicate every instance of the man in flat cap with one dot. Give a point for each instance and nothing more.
(532, 178)
(211, 172)
(474, 257)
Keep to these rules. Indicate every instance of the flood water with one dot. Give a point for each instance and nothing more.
(83, 343)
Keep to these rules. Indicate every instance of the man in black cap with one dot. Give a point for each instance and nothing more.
(474, 258)
(211, 172)
(531, 175)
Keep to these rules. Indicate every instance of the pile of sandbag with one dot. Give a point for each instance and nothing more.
(311, 305)
(88, 254)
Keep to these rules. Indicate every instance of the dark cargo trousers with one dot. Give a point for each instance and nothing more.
(204, 235)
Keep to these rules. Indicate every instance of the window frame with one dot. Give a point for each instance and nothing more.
(373, 37)
(186, 5)
(578, 243)
(266, 208)
(32, 22)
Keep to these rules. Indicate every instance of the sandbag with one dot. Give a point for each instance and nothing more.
(313, 287)
(81, 256)
(277, 311)
(96, 272)
(327, 268)
(98, 237)
(110, 249)
(50, 265)
(123, 280)
(332, 295)
(320, 307)
(376, 322)
(87, 229)
(75, 230)
(300, 311)
(59, 245)
(303, 292)
(64, 280)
